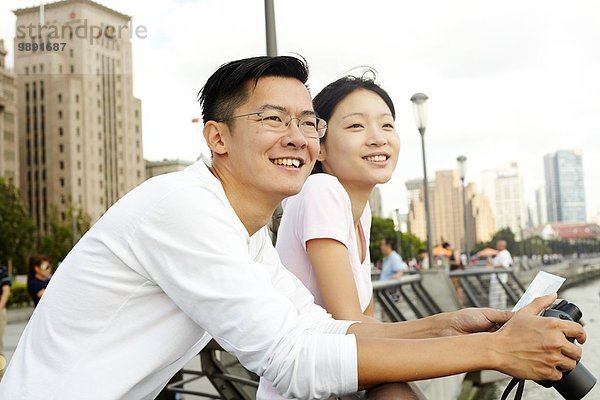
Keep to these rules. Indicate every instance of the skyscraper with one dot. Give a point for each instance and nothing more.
(565, 192)
(9, 146)
(79, 124)
(504, 188)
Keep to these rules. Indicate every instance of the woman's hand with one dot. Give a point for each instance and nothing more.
(471, 320)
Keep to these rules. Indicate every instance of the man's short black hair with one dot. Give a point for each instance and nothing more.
(390, 241)
(227, 88)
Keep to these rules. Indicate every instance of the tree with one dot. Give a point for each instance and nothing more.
(60, 238)
(410, 245)
(380, 229)
(17, 230)
(507, 235)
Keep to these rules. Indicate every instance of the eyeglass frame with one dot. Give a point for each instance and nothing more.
(285, 124)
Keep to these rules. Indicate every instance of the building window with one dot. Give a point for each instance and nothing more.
(60, 115)
(71, 52)
(76, 98)
(61, 164)
(60, 98)
(78, 164)
(79, 182)
(41, 68)
(60, 148)
(78, 148)
(78, 131)
(77, 115)
(62, 182)
(9, 117)
(72, 69)
(60, 68)
(60, 131)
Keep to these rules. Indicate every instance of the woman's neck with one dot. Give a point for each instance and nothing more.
(359, 195)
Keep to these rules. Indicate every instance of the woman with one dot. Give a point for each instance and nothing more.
(324, 233)
(323, 237)
(38, 277)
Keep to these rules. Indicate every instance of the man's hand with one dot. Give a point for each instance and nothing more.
(532, 347)
(472, 320)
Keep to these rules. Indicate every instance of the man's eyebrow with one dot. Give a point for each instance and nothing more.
(283, 109)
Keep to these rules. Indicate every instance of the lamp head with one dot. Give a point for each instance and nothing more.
(419, 101)
(462, 166)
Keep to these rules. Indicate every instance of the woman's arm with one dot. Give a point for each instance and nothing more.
(331, 265)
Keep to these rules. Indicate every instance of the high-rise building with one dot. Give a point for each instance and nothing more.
(376, 202)
(79, 125)
(565, 192)
(446, 200)
(504, 188)
(9, 144)
(542, 208)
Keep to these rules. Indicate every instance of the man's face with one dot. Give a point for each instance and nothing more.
(385, 248)
(261, 159)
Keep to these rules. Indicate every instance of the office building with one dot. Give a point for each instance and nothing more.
(565, 192)
(80, 127)
(9, 144)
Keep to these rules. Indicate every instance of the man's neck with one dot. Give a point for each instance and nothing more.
(253, 207)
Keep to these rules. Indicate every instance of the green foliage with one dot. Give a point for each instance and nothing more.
(410, 245)
(18, 295)
(380, 229)
(507, 235)
(60, 238)
(17, 230)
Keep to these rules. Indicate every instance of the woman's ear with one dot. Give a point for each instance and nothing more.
(214, 135)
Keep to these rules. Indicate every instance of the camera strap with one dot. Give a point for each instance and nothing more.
(519, 383)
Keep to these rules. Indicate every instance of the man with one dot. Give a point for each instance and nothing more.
(393, 266)
(186, 257)
(4, 295)
(502, 260)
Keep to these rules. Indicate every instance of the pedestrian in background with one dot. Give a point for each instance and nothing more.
(38, 276)
(393, 265)
(4, 294)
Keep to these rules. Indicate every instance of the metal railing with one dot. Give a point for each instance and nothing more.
(404, 299)
(485, 287)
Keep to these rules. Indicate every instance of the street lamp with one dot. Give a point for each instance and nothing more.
(419, 101)
(462, 170)
(271, 32)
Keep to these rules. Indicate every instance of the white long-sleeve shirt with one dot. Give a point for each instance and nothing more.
(169, 266)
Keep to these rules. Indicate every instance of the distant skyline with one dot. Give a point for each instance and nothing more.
(508, 81)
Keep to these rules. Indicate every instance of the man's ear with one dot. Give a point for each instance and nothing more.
(214, 135)
(322, 153)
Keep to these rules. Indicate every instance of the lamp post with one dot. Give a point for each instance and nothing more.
(462, 170)
(271, 32)
(419, 101)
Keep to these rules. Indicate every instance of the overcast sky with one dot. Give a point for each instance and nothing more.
(507, 80)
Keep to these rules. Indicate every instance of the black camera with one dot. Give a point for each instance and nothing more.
(575, 384)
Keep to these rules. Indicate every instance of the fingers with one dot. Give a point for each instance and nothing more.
(574, 330)
(497, 316)
(572, 352)
(539, 304)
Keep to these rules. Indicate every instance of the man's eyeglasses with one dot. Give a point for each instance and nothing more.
(311, 126)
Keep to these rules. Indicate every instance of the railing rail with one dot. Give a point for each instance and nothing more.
(405, 298)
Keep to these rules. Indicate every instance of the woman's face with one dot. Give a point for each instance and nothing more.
(44, 269)
(362, 145)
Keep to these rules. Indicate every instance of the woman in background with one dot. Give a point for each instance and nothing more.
(38, 276)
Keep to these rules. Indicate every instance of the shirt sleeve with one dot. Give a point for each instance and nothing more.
(323, 210)
(193, 247)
